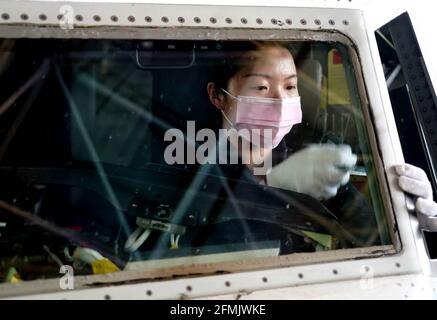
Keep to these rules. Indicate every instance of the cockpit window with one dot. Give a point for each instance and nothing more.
(144, 155)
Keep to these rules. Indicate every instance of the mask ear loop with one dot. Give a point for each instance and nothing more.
(224, 115)
(227, 92)
(227, 119)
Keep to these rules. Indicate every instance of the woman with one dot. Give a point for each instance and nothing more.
(267, 74)
(264, 78)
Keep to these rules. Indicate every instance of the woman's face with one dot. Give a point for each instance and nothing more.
(271, 75)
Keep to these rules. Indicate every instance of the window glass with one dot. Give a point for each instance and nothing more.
(139, 155)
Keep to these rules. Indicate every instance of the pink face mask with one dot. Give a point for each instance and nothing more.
(276, 115)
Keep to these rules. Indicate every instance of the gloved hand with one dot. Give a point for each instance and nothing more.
(414, 181)
(318, 170)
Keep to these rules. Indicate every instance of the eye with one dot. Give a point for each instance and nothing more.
(261, 88)
(291, 87)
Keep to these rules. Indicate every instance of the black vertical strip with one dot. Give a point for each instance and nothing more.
(420, 87)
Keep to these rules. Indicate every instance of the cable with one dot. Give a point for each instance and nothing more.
(174, 241)
(136, 239)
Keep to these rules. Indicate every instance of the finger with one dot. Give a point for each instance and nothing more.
(410, 203)
(344, 158)
(411, 171)
(426, 207)
(345, 179)
(416, 187)
(333, 176)
(338, 155)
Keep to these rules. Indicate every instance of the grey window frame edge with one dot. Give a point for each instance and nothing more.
(374, 145)
(202, 33)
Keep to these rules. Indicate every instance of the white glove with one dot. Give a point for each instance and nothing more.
(318, 170)
(414, 181)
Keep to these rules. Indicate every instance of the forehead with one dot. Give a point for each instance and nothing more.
(271, 60)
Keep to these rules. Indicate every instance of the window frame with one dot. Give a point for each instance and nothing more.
(298, 262)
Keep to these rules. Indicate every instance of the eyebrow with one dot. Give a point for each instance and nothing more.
(266, 75)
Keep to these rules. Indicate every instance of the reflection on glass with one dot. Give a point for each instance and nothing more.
(127, 155)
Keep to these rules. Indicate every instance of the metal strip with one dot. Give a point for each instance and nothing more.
(69, 15)
(421, 91)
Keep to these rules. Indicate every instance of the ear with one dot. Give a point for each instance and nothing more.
(215, 96)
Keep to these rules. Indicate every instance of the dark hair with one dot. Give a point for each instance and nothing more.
(231, 58)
